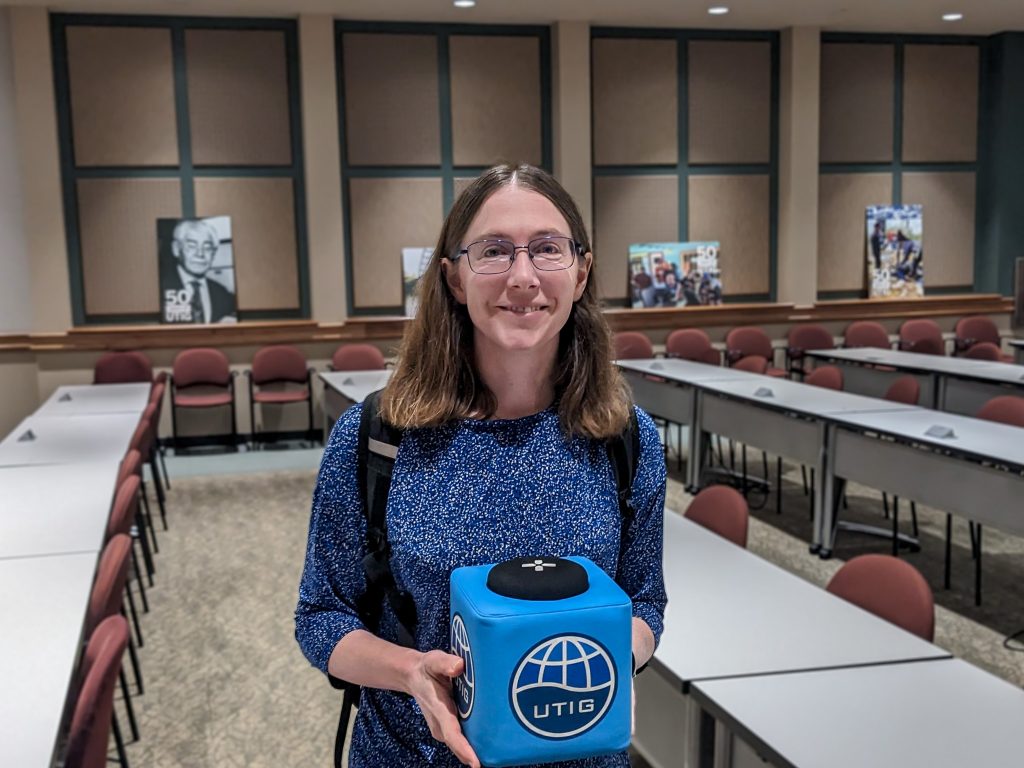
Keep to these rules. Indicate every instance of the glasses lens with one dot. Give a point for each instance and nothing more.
(551, 253)
(490, 256)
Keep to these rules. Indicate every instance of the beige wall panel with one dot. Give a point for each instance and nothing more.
(948, 218)
(262, 215)
(238, 97)
(117, 225)
(122, 96)
(496, 108)
(391, 99)
(378, 235)
(729, 86)
(842, 237)
(630, 209)
(461, 182)
(734, 210)
(940, 103)
(857, 82)
(635, 94)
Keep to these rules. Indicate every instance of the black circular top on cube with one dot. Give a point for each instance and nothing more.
(538, 578)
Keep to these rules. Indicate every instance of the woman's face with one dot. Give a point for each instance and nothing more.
(523, 309)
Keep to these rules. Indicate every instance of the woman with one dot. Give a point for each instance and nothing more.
(507, 395)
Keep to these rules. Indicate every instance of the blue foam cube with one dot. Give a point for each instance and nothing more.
(547, 650)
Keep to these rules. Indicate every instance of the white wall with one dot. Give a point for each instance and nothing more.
(15, 285)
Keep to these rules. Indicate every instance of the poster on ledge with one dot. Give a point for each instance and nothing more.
(674, 274)
(895, 252)
(197, 270)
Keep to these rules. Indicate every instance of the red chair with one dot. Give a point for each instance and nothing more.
(94, 714)
(827, 376)
(122, 368)
(747, 341)
(866, 333)
(923, 337)
(802, 339)
(692, 344)
(131, 466)
(633, 345)
(890, 588)
(156, 398)
(144, 441)
(123, 515)
(357, 357)
(752, 364)
(984, 350)
(722, 510)
(273, 370)
(906, 390)
(202, 378)
(974, 330)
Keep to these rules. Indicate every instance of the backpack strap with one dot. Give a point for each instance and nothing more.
(624, 456)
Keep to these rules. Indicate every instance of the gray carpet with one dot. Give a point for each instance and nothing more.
(226, 685)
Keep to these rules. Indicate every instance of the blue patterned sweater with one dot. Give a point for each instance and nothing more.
(469, 493)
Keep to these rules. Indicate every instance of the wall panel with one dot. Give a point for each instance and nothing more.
(857, 84)
(940, 103)
(842, 229)
(948, 217)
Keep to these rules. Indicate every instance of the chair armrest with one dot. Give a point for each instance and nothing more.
(733, 355)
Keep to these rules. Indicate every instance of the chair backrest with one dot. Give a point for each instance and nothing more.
(802, 338)
(89, 735)
(202, 365)
(131, 464)
(633, 345)
(140, 441)
(126, 505)
(922, 336)
(748, 340)
(280, 362)
(357, 357)
(976, 329)
(890, 588)
(906, 390)
(827, 376)
(1006, 409)
(111, 576)
(983, 350)
(866, 333)
(691, 344)
(723, 510)
(751, 364)
(122, 368)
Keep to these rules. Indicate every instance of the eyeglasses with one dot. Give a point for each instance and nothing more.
(549, 254)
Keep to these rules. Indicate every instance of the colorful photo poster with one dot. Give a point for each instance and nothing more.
(414, 264)
(674, 275)
(895, 252)
(197, 270)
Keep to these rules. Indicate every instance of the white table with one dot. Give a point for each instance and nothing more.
(940, 714)
(92, 399)
(43, 602)
(49, 509)
(342, 389)
(69, 439)
(732, 614)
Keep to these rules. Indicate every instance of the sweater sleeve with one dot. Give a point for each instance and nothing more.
(332, 578)
(640, 572)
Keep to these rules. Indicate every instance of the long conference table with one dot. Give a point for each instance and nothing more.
(58, 469)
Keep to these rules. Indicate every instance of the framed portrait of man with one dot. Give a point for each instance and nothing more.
(197, 270)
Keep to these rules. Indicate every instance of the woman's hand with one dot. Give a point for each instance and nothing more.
(430, 683)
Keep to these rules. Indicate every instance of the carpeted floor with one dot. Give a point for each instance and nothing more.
(226, 684)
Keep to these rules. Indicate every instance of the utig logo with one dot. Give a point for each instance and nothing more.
(465, 684)
(563, 686)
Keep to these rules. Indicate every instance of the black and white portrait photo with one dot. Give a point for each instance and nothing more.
(197, 270)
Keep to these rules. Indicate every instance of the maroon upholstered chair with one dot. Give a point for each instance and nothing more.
(122, 368)
(827, 376)
(111, 577)
(633, 345)
(202, 378)
(751, 364)
(1006, 409)
(123, 515)
(156, 398)
(749, 340)
(802, 339)
(722, 510)
(131, 466)
(357, 357)
(974, 330)
(692, 344)
(94, 708)
(890, 588)
(144, 442)
(906, 390)
(866, 333)
(922, 336)
(984, 350)
(273, 369)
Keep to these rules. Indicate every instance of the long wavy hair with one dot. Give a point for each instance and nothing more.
(436, 380)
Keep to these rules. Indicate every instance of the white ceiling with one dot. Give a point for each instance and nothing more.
(910, 16)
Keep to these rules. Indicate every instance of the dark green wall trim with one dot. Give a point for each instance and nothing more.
(447, 171)
(185, 170)
(947, 290)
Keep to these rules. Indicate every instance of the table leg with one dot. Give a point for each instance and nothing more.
(695, 461)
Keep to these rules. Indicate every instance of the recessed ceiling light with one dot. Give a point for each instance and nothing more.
(952, 16)
(718, 10)
(465, 3)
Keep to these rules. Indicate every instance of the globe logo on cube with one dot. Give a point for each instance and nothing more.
(464, 686)
(563, 686)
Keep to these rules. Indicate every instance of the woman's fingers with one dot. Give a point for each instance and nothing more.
(439, 708)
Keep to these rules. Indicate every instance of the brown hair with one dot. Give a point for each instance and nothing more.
(436, 380)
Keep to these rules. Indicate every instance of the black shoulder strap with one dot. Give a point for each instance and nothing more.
(624, 455)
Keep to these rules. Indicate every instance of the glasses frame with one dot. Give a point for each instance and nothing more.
(575, 248)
